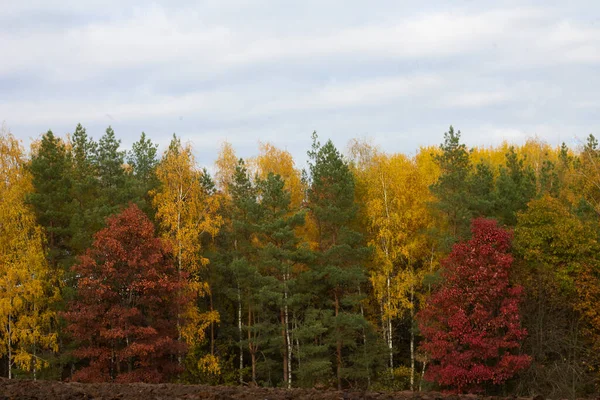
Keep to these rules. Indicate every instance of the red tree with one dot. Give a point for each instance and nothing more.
(124, 316)
(471, 324)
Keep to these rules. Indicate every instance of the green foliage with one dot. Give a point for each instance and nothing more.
(516, 186)
(481, 186)
(340, 260)
(142, 179)
(451, 189)
(111, 173)
(50, 167)
(285, 291)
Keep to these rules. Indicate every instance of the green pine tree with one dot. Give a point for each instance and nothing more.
(452, 187)
(279, 256)
(50, 167)
(515, 187)
(142, 159)
(340, 257)
(85, 191)
(111, 172)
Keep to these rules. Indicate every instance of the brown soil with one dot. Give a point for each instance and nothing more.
(50, 390)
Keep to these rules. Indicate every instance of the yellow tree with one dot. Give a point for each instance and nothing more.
(186, 211)
(26, 290)
(280, 162)
(225, 164)
(395, 194)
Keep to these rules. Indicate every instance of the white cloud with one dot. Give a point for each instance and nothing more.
(231, 68)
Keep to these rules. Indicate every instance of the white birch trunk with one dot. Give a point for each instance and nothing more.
(390, 336)
(287, 332)
(240, 332)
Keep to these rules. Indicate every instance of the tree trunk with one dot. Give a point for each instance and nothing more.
(386, 245)
(297, 341)
(252, 347)
(179, 267)
(253, 358)
(362, 312)
(285, 349)
(287, 333)
(338, 346)
(240, 333)
(390, 332)
(34, 359)
(422, 375)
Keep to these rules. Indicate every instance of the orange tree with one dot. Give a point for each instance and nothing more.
(123, 317)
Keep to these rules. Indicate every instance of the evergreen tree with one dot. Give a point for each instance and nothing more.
(515, 187)
(111, 173)
(85, 191)
(143, 159)
(50, 167)
(339, 258)
(481, 189)
(452, 187)
(279, 256)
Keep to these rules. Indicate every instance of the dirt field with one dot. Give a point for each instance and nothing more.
(19, 389)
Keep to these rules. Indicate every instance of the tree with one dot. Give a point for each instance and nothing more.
(279, 254)
(471, 324)
(143, 159)
(185, 213)
(340, 258)
(28, 288)
(272, 160)
(588, 173)
(554, 248)
(50, 168)
(481, 187)
(111, 172)
(452, 187)
(395, 194)
(243, 266)
(515, 187)
(226, 164)
(123, 315)
(85, 191)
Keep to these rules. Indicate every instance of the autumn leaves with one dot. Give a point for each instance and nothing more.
(28, 289)
(361, 271)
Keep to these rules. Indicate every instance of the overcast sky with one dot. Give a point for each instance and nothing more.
(275, 70)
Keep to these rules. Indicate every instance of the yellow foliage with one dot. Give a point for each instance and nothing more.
(185, 213)
(25, 279)
(394, 193)
(280, 162)
(226, 164)
(209, 364)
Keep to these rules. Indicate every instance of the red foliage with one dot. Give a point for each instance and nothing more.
(125, 313)
(471, 325)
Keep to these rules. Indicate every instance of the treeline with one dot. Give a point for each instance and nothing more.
(460, 269)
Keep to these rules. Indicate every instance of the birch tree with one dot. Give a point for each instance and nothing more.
(186, 212)
(27, 323)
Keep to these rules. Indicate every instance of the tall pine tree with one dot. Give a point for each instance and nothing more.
(340, 257)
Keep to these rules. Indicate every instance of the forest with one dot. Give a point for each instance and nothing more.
(467, 270)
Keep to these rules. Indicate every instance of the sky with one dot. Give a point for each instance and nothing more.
(397, 73)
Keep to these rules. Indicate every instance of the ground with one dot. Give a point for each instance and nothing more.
(50, 390)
